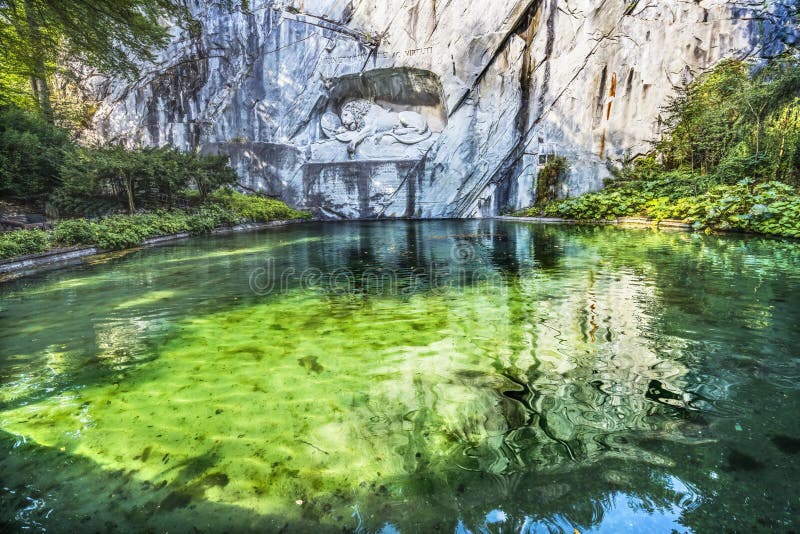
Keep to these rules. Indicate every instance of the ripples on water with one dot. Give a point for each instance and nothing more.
(383, 377)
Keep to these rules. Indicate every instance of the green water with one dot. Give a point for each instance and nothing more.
(475, 376)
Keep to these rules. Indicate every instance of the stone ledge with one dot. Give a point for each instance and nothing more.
(620, 221)
(664, 223)
(11, 268)
(34, 261)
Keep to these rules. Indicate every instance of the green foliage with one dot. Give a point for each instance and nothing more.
(111, 35)
(74, 232)
(703, 118)
(23, 242)
(15, 86)
(730, 161)
(125, 231)
(208, 173)
(252, 208)
(40, 164)
(597, 206)
(207, 218)
(31, 154)
(731, 123)
(771, 208)
(113, 176)
(550, 175)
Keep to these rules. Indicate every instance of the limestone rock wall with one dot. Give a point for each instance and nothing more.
(427, 108)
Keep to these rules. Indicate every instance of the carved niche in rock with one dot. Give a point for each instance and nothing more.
(382, 114)
(362, 119)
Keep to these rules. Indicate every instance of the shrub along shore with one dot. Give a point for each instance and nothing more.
(112, 197)
(769, 208)
(730, 160)
(116, 232)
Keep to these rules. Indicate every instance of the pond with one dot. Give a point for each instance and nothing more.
(454, 376)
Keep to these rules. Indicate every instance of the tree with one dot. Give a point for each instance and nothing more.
(702, 118)
(31, 153)
(550, 176)
(738, 120)
(140, 178)
(110, 172)
(114, 36)
(209, 173)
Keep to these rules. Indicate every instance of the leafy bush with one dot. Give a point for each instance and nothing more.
(125, 231)
(121, 231)
(23, 242)
(207, 218)
(769, 208)
(74, 232)
(31, 153)
(252, 208)
(597, 206)
(550, 176)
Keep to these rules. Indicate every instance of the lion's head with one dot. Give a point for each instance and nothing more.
(353, 114)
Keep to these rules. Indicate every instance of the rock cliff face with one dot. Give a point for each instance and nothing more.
(428, 108)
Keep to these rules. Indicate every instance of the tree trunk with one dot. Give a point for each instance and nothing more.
(758, 135)
(129, 190)
(202, 188)
(41, 89)
(39, 84)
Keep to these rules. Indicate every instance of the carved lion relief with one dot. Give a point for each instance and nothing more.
(361, 119)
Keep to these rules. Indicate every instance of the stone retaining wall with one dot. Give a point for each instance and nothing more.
(24, 265)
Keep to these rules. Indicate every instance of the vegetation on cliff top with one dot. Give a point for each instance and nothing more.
(731, 159)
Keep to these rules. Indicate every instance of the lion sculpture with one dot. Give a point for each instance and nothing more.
(361, 119)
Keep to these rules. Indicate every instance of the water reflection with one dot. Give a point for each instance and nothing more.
(460, 376)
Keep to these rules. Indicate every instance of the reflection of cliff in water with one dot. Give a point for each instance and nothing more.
(596, 377)
(557, 397)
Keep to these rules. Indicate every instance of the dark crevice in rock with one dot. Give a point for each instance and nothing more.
(511, 165)
(507, 164)
(601, 95)
(532, 6)
(507, 188)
